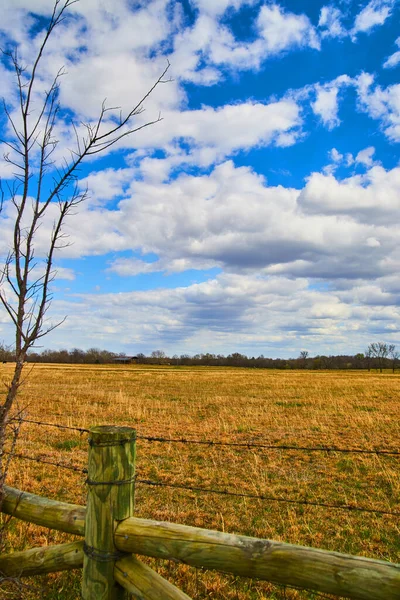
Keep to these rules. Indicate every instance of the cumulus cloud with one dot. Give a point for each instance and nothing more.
(326, 104)
(394, 59)
(335, 155)
(375, 13)
(330, 22)
(244, 313)
(337, 159)
(364, 157)
(106, 184)
(369, 198)
(271, 242)
(380, 103)
(214, 133)
(203, 48)
(219, 7)
(232, 219)
(275, 244)
(281, 30)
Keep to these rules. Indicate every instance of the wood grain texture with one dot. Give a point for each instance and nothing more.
(38, 561)
(43, 511)
(144, 583)
(308, 568)
(111, 460)
(354, 577)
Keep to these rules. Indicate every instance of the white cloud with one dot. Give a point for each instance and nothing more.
(270, 315)
(375, 13)
(221, 131)
(335, 155)
(330, 22)
(326, 105)
(219, 7)
(106, 184)
(272, 241)
(394, 59)
(58, 273)
(200, 50)
(233, 220)
(380, 103)
(336, 159)
(282, 30)
(365, 156)
(370, 198)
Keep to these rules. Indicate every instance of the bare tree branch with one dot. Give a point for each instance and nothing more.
(38, 186)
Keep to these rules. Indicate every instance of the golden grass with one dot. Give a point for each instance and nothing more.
(345, 409)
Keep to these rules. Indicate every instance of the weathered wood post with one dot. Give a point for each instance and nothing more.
(110, 499)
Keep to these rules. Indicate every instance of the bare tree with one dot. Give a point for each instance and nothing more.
(39, 186)
(303, 356)
(380, 351)
(394, 356)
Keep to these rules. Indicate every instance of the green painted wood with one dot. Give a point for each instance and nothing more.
(144, 583)
(38, 561)
(350, 576)
(111, 470)
(307, 568)
(43, 511)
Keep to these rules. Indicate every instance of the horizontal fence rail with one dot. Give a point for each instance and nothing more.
(45, 512)
(308, 568)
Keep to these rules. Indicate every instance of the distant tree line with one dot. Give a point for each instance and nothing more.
(75, 356)
(378, 355)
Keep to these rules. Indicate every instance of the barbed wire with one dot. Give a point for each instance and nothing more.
(349, 507)
(249, 444)
(182, 486)
(80, 429)
(270, 446)
(46, 461)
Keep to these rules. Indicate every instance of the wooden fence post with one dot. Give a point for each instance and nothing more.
(110, 499)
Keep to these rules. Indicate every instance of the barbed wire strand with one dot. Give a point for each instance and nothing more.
(80, 429)
(379, 451)
(182, 486)
(149, 482)
(46, 462)
(270, 446)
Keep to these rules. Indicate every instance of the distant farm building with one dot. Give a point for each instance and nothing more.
(125, 360)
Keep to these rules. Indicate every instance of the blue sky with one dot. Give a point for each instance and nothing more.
(261, 214)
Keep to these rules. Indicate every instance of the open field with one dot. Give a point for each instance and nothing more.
(343, 409)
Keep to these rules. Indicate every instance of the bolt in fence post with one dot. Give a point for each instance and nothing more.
(110, 499)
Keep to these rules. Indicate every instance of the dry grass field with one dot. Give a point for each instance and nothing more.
(343, 409)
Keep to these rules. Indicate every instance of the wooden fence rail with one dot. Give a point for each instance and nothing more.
(112, 535)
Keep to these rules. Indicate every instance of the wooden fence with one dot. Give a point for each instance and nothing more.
(112, 535)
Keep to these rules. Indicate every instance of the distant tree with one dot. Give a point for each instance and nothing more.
(394, 356)
(303, 356)
(158, 357)
(317, 363)
(379, 351)
(185, 359)
(236, 359)
(368, 358)
(6, 353)
(77, 356)
(158, 354)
